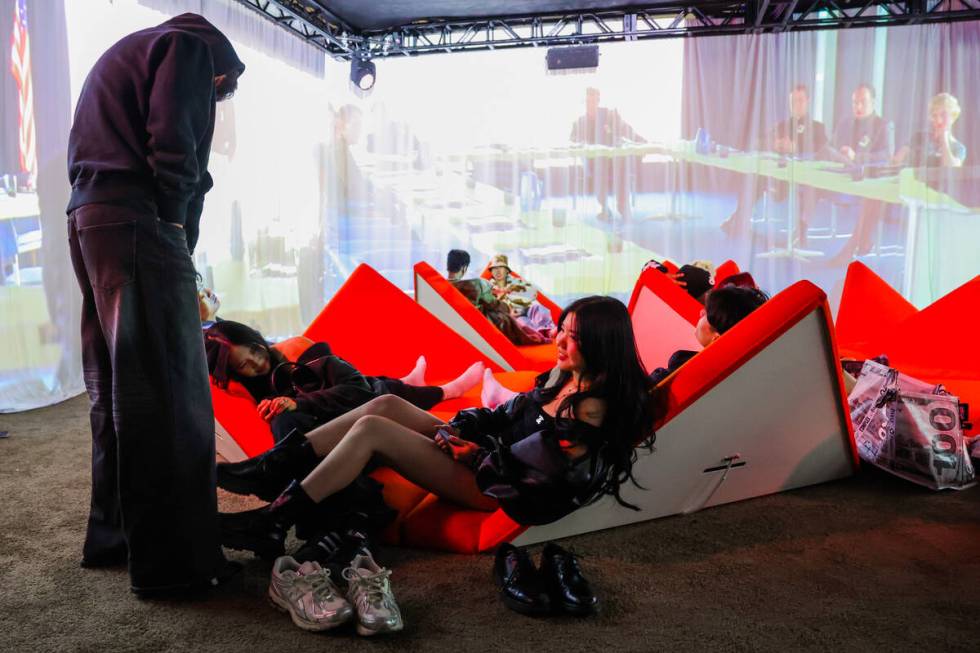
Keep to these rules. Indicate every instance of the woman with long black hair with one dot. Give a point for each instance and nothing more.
(584, 419)
(318, 386)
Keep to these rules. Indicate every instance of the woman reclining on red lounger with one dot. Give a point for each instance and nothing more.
(566, 443)
(732, 303)
(316, 388)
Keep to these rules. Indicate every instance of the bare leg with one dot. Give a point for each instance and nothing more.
(324, 438)
(408, 452)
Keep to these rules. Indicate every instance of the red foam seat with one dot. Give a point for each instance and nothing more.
(740, 344)
(423, 519)
(868, 308)
(439, 297)
(234, 412)
(380, 330)
(696, 398)
(663, 316)
(769, 391)
(930, 345)
(725, 270)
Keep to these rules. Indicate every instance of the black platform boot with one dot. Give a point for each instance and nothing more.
(266, 475)
(263, 531)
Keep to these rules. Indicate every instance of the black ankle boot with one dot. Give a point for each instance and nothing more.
(266, 475)
(263, 531)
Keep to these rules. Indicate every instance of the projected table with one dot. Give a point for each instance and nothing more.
(561, 257)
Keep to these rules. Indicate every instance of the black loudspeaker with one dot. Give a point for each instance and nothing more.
(573, 57)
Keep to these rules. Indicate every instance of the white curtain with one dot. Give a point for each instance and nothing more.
(490, 153)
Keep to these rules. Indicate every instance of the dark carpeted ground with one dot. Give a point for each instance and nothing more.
(869, 563)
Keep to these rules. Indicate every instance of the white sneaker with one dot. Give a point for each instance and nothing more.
(308, 594)
(369, 590)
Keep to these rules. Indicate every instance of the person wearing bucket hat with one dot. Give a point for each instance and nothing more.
(521, 299)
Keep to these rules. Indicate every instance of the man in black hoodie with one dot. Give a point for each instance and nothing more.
(137, 162)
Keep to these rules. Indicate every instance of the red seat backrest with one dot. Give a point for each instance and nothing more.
(469, 313)
(940, 340)
(234, 409)
(675, 296)
(381, 331)
(869, 308)
(725, 270)
(741, 343)
(664, 317)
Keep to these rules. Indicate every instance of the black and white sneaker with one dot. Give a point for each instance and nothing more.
(334, 550)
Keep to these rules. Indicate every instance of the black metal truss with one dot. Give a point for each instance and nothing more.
(310, 21)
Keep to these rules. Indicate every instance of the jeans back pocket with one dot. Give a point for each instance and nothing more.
(107, 239)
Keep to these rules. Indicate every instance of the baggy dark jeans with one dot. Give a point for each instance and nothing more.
(153, 474)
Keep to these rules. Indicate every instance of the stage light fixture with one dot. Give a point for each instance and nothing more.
(362, 73)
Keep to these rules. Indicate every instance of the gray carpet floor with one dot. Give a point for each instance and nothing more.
(868, 563)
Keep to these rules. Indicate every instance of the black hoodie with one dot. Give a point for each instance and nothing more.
(144, 120)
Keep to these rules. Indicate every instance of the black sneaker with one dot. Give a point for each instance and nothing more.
(334, 549)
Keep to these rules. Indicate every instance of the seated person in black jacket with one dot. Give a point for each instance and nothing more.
(798, 136)
(575, 434)
(724, 308)
(318, 386)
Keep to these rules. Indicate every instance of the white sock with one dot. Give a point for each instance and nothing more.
(468, 379)
(494, 394)
(417, 375)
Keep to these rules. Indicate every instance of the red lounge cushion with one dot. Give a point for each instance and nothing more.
(663, 316)
(540, 357)
(868, 309)
(441, 525)
(738, 345)
(725, 270)
(675, 296)
(940, 340)
(234, 409)
(381, 331)
(519, 358)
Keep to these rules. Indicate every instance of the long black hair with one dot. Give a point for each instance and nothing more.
(218, 341)
(613, 374)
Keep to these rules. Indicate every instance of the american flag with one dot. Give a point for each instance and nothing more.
(20, 66)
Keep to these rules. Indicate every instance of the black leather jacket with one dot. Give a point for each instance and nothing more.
(524, 466)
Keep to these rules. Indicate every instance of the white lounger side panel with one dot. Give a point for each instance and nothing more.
(781, 411)
(433, 302)
(660, 331)
(225, 445)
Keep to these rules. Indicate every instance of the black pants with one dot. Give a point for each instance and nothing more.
(422, 396)
(153, 478)
(425, 397)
